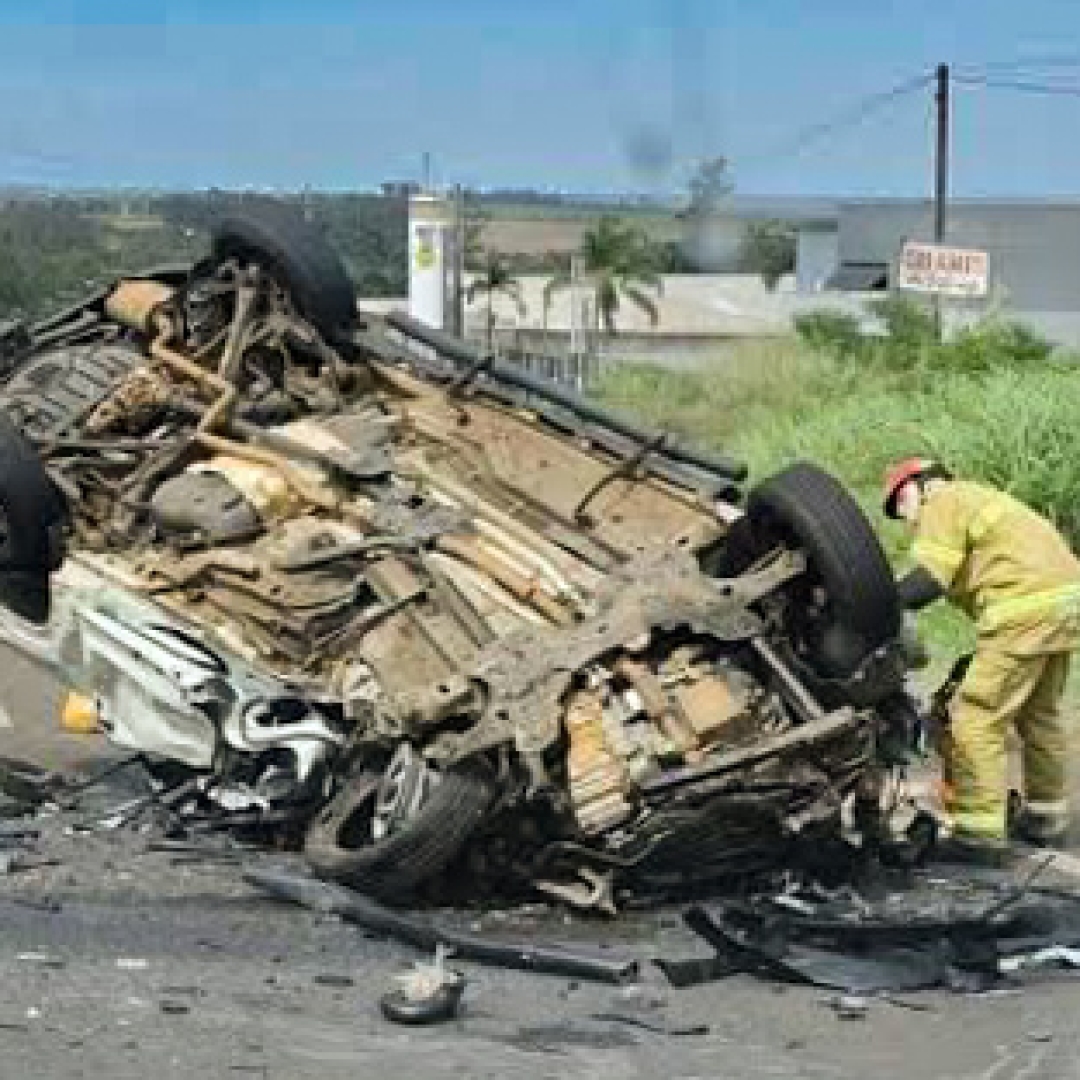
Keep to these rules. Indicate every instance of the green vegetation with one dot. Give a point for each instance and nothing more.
(908, 343)
(54, 250)
(370, 232)
(619, 262)
(768, 250)
(495, 278)
(991, 402)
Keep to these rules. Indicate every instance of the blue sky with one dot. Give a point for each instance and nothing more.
(575, 94)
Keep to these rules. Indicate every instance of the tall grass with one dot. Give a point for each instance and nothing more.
(1018, 428)
(749, 384)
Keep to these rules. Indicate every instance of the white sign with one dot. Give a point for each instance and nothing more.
(947, 271)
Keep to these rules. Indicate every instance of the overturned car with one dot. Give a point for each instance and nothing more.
(415, 609)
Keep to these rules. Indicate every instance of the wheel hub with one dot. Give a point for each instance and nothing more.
(403, 791)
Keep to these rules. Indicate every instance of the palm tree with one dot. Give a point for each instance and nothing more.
(618, 261)
(495, 279)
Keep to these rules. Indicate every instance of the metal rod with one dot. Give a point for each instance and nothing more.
(797, 694)
(356, 908)
(829, 725)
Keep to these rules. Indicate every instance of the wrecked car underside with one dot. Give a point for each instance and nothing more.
(414, 609)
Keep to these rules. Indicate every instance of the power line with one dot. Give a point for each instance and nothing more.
(1023, 86)
(850, 117)
(1027, 65)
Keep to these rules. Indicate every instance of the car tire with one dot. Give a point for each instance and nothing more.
(805, 507)
(296, 254)
(31, 526)
(394, 866)
(53, 391)
(31, 507)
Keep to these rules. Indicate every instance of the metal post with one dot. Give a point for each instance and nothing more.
(573, 305)
(458, 267)
(941, 169)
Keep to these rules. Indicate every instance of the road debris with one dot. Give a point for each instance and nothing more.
(126, 963)
(427, 935)
(938, 933)
(429, 993)
(673, 1030)
(850, 1007)
(44, 960)
(329, 979)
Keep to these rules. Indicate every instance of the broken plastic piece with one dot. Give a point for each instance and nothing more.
(79, 715)
(850, 1007)
(427, 994)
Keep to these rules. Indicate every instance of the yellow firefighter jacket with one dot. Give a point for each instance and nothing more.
(1002, 564)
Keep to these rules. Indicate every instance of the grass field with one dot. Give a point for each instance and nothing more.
(781, 402)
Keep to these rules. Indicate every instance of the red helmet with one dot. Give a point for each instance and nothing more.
(896, 476)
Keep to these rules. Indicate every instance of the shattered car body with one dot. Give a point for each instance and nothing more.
(414, 606)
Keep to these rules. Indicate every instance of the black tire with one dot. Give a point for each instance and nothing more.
(295, 252)
(31, 508)
(53, 391)
(805, 507)
(395, 866)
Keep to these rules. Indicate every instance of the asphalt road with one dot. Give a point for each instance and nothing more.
(123, 962)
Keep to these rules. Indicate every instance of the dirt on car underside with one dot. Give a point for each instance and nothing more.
(499, 622)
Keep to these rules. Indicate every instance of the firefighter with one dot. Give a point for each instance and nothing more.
(1011, 572)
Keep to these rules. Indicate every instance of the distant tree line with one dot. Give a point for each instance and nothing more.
(55, 249)
(370, 232)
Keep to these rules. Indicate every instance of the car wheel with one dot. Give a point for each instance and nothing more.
(388, 833)
(31, 526)
(295, 253)
(847, 605)
(53, 391)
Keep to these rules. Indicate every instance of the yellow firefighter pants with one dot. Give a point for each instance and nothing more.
(1002, 691)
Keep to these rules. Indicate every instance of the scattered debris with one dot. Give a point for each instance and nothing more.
(328, 979)
(850, 1007)
(174, 1008)
(424, 934)
(915, 937)
(427, 994)
(44, 960)
(674, 1030)
(132, 964)
(1054, 956)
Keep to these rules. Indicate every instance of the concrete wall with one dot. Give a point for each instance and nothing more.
(1034, 249)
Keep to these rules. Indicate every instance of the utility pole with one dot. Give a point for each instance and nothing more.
(941, 165)
(941, 169)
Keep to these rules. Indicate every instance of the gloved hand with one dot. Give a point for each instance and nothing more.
(918, 589)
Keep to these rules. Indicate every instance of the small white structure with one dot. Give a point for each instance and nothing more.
(431, 260)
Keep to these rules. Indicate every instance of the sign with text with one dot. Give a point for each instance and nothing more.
(946, 271)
